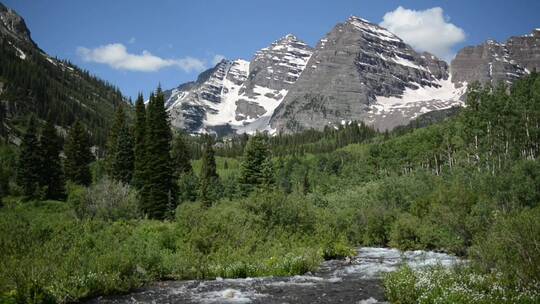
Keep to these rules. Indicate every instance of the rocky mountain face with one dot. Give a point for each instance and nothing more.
(494, 62)
(361, 71)
(13, 25)
(32, 82)
(239, 95)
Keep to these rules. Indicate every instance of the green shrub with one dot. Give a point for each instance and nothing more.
(107, 199)
(405, 233)
(512, 247)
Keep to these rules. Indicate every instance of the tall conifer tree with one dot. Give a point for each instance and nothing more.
(256, 169)
(209, 179)
(122, 165)
(78, 155)
(112, 140)
(29, 163)
(139, 142)
(52, 175)
(157, 195)
(181, 156)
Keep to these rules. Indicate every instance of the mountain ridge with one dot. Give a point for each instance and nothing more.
(32, 82)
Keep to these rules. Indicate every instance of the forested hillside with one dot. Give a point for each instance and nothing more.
(157, 209)
(32, 82)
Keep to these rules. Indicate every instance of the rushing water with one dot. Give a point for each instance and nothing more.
(357, 280)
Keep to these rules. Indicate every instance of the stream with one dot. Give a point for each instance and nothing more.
(356, 280)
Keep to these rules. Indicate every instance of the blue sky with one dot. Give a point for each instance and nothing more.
(180, 38)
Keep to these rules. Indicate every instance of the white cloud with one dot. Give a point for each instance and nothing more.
(217, 59)
(117, 56)
(132, 40)
(426, 30)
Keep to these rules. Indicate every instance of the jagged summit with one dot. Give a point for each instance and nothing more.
(356, 65)
(353, 19)
(13, 25)
(494, 62)
(372, 29)
(239, 94)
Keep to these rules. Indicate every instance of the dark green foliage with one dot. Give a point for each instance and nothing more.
(139, 145)
(29, 164)
(188, 185)
(309, 141)
(306, 186)
(256, 167)
(52, 175)
(181, 156)
(158, 189)
(78, 155)
(122, 165)
(8, 169)
(112, 142)
(209, 185)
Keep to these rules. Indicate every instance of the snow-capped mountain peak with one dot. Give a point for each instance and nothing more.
(239, 95)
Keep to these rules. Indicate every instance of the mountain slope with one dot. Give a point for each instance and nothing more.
(33, 82)
(360, 71)
(239, 96)
(493, 62)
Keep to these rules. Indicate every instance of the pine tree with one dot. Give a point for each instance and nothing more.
(139, 137)
(209, 179)
(306, 186)
(256, 169)
(181, 156)
(112, 140)
(29, 163)
(158, 189)
(78, 156)
(122, 165)
(52, 176)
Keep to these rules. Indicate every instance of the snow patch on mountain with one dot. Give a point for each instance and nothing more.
(397, 110)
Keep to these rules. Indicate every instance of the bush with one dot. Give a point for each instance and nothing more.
(405, 233)
(511, 247)
(107, 200)
(459, 285)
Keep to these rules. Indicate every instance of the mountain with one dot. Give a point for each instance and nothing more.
(493, 62)
(239, 95)
(32, 82)
(361, 71)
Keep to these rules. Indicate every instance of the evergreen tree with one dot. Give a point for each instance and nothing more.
(256, 169)
(139, 137)
(306, 186)
(209, 179)
(78, 156)
(181, 156)
(158, 188)
(112, 140)
(3, 132)
(122, 166)
(29, 163)
(52, 176)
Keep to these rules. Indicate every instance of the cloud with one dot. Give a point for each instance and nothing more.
(116, 56)
(426, 30)
(217, 59)
(132, 40)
